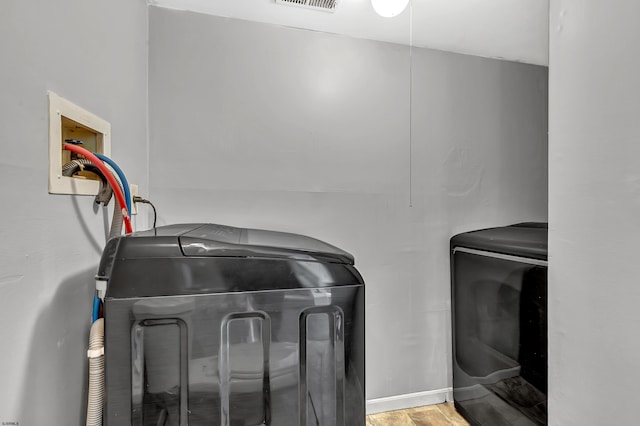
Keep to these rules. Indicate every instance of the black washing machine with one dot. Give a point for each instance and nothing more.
(499, 304)
(214, 325)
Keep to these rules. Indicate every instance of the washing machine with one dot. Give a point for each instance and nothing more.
(215, 325)
(499, 318)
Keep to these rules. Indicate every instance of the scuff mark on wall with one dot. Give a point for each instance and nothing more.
(10, 279)
(463, 171)
(14, 266)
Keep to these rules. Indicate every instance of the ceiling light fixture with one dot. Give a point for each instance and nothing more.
(389, 8)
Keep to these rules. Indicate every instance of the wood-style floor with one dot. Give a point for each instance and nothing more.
(430, 415)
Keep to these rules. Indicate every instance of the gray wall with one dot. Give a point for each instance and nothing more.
(94, 54)
(265, 126)
(594, 212)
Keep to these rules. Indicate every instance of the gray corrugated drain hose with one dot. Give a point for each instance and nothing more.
(116, 221)
(74, 166)
(96, 373)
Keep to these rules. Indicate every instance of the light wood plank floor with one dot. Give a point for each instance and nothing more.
(430, 415)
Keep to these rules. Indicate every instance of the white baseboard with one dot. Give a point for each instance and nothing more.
(409, 400)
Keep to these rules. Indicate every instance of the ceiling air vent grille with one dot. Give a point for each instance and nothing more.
(324, 5)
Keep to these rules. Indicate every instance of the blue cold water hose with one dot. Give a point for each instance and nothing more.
(96, 308)
(123, 178)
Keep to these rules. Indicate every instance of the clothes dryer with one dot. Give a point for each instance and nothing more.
(499, 307)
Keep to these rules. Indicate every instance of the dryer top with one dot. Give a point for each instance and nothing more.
(527, 239)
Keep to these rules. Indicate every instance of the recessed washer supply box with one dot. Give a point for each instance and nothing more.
(214, 325)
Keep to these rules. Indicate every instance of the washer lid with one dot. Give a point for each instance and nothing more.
(211, 240)
(206, 259)
(218, 241)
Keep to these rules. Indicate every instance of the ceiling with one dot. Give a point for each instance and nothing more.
(514, 30)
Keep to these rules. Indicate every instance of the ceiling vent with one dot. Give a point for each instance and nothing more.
(324, 5)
